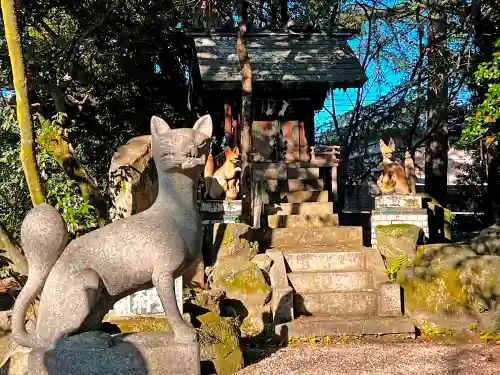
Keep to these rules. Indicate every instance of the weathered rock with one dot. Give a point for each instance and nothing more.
(397, 239)
(488, 241)
(263, 262)
(133, 178)
(243, 281)
(220, 343)
(209, 299)
(236, 241)
(453, 282)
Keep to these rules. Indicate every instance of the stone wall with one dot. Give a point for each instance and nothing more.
(398, 209)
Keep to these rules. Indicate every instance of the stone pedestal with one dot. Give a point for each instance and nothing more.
(93, 353)
(398, 209)
(225, 211)
(146, 302)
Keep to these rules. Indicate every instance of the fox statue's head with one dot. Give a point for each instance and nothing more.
(232, 155)
(387, 151)
(181, 150)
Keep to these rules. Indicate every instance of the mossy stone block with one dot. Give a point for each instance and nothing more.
(395, 240)
(219, 343)
(455, 282)
(236, 241)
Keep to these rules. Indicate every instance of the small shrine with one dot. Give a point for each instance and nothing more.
(292, 73)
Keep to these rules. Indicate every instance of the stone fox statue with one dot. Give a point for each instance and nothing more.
(394, 177)
(223, 181)
(81, 281)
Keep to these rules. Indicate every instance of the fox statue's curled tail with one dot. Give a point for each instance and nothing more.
(43, 237)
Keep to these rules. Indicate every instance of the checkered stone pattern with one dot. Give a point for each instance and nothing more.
(398, 209)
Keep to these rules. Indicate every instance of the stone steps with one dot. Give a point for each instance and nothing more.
(294, 185)
(307, 208)
(313, 326)
(280, 171)
(325, 236)
(330, 281)
(302, 221)
(325, 261)
(303, 196)
(337, 303)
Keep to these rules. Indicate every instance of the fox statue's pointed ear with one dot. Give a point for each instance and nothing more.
(382, 143)
(236, 150)
(392, 144)
(158, 126)
(204, 125)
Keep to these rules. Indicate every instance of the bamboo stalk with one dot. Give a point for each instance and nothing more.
(28, 158)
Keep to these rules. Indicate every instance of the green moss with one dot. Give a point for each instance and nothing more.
(233, 242)
(395, 230)
(142, 324)
(440, 293)
(397, 265)
(219, 341)
(226, 239)
(248, 279)
(418, 258)
(397, 239)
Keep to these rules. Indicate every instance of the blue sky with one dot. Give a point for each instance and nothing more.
(392, 73)
(344, 100)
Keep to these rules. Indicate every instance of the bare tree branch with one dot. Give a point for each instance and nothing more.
(88, 33)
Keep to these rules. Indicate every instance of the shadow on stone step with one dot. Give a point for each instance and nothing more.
(313, 197)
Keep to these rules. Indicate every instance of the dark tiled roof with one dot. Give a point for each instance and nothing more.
(281, 58)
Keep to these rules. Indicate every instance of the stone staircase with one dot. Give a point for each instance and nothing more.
(295, 195)
(325, 283)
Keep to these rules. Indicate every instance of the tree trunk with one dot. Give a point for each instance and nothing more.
(436, 150)
(246, 105)
(493, 197)
(13, 253)
(28, 158)
(342, 171)
(283, 12)
(62, 151)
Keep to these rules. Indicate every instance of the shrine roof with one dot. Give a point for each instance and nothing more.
(283, 58)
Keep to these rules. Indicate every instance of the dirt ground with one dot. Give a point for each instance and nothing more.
(406, 358)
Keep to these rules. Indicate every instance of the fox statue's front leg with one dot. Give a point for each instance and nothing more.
(164, 282)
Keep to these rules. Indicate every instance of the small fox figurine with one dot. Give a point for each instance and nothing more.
(395, 178)
(222, 184)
